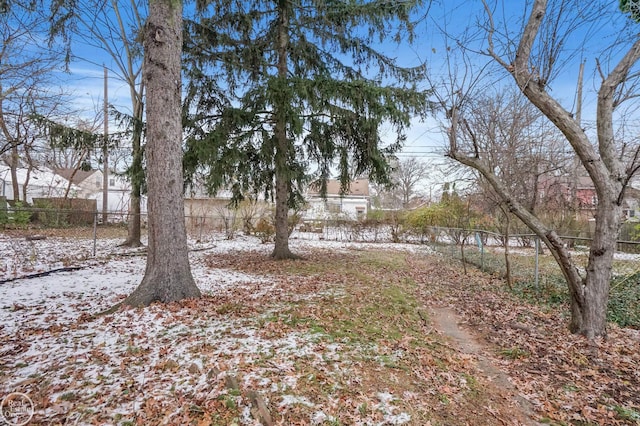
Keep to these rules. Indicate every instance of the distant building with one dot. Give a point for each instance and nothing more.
(90, 184)
(354, 204)
(559, 191)
(41, 183)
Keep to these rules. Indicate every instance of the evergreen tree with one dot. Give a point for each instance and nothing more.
(303, 87)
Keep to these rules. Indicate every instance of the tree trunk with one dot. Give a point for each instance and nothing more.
(592, 320)
(281, 247)
(13, 166)
(137, 174)
(507, 258)
(69, 183)
(134, 224)
(283, 185)
(25, 186)
(168, 274)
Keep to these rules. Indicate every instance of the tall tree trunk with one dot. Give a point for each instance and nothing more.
(593, 310)
(13, 166)
(167, 276)
(283, 184)
(25, 186)
(134, 234)
(136, 176)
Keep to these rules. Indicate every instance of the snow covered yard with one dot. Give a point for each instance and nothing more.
(342, 337)
(205, 360)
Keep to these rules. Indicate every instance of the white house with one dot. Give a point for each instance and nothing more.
(91, 184)
(353, 204)
(42, 183)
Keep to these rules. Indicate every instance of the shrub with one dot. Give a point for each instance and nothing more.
(265, 230)
(624, 301)
(49, 216)
(19, 216)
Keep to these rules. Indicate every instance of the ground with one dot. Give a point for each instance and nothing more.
(353, 334)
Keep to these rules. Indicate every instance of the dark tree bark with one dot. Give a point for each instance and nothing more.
(137, 172)
(168, 274)
(283, 145)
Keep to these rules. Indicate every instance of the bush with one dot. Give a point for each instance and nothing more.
(624, 301)
(18, 216)
(49, 216)
(4, 215)
(265, 230)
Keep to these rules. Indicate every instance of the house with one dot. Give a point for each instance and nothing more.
(41, 182)
(90, 184)
(561, 191)
(353, 204)
(631, 204)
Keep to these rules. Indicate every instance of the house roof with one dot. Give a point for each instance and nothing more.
(358, 187)
(79, 177)
(37, 177)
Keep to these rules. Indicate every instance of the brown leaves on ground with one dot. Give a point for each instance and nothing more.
(336, 338)
(568, 380)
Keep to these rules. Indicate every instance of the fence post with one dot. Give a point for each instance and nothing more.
(537, 263)
(482, 251)
(95, 231)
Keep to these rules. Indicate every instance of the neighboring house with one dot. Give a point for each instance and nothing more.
(42, 183)
(564, 192)
(353, 204)
(631, 204)
(559, 190)
(91, 183)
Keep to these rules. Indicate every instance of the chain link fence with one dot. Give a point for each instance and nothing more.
(92, 236)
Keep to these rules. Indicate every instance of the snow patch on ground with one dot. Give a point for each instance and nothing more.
(122, 363)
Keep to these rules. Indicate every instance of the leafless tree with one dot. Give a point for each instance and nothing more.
(26, 75)
(406, 176)
(410, 172)
(534, 54)
(115, 27)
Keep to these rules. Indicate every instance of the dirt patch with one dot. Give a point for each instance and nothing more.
(446, 321)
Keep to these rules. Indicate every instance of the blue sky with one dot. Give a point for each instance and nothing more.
(426, 138)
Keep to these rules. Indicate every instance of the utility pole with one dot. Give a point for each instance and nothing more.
(105, 152)
(579, 95)
(576, 161)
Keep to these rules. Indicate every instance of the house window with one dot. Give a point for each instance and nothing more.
(112, 182)
(360, 212)
(333, 207)
(98, 182)
(632, 213)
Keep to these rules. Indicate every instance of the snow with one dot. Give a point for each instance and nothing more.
(49, 334)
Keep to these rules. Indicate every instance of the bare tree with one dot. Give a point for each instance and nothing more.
(533, 57)
(26, 69)
(167, 276)
(406, 176)
(410, 173)
(115, 27)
